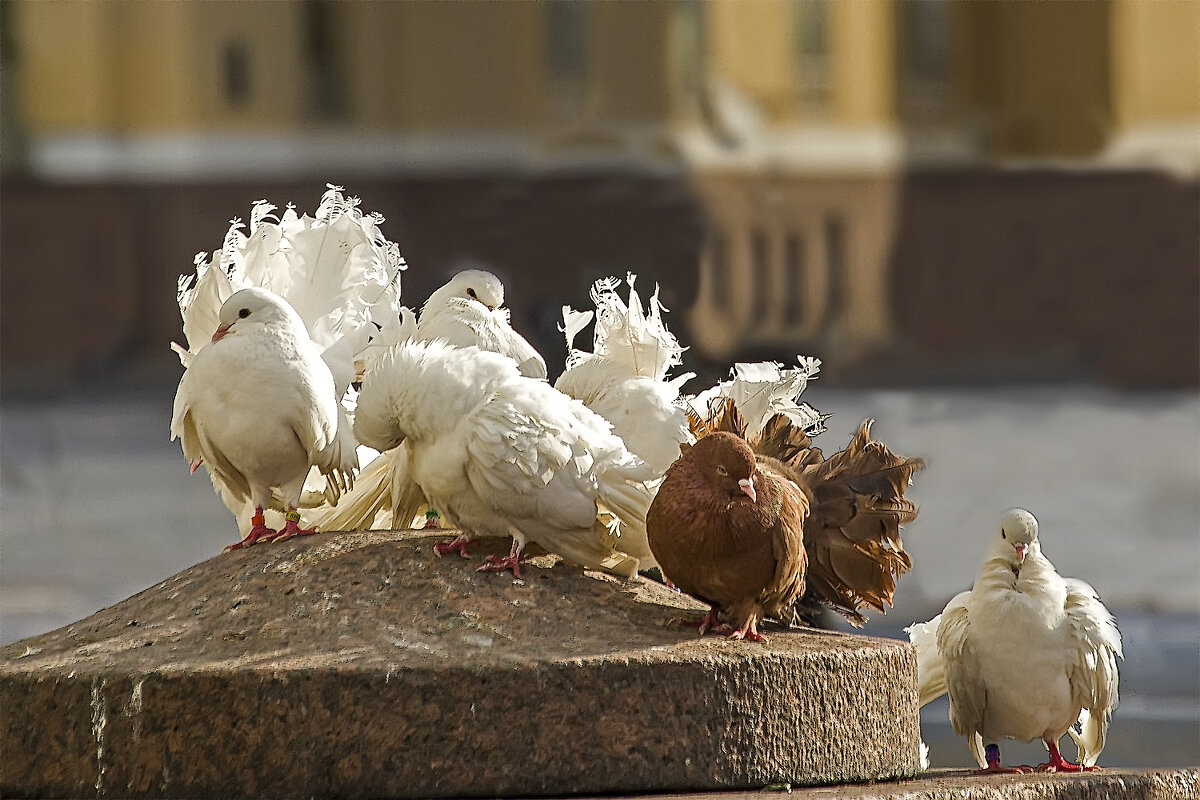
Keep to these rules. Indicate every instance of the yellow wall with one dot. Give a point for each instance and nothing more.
(1156, 61)
(863, 51)
(1045, 79)
(735, 28)
(65, 65)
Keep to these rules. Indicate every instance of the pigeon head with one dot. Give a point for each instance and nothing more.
(727, 463)
(1016, 536)
(254, 307)
(473, 284)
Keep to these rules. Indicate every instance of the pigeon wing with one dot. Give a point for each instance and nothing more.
(519, 464)
(1093, 648)
(968, 697)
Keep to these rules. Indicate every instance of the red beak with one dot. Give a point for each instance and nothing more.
(220, 334)
(747, 486)
(1020, 548)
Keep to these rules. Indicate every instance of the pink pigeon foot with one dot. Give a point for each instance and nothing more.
(710, 622)
(511, 562)
(992, 754)
(749, 633)
(1059, 764)
(292, 527)
(260, 531)
(456, 545)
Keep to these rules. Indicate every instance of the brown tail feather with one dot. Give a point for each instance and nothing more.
(853, 537)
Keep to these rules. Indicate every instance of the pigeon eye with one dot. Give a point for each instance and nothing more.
(1003, 535)
(245, 312)
(721, 470)
(471, 292)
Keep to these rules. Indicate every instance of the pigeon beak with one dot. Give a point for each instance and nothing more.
(746, 486)
(220, 334)
(491, 308)
(1020, 548)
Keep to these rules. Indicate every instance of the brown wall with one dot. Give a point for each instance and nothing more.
(1050, 274)
(995, 275)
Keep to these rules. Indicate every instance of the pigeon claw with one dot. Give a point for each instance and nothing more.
(260, 532)
(749, 634)
(712, 622)
(992, 754)
(996, 769)
(1059, 764)
(291, 529)
(456, 545)
(497, 564)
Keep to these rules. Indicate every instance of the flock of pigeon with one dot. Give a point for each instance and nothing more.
(309, 389)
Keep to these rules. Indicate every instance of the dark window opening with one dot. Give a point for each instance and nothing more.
(235, 69)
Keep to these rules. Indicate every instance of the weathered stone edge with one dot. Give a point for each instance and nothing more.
(1180, 783)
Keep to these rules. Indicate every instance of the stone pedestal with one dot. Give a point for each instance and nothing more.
(361, 664)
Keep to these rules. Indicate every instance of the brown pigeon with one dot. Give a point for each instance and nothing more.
(856, 506)
(728, 528)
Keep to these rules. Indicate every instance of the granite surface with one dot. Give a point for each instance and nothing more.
(361, 664)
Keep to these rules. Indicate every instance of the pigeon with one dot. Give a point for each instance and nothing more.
(257, 407)
(624, 379)
(466, 311)
(338, 272)
(727, 527)
(498, 453)
(857, 496)
(1025, 654)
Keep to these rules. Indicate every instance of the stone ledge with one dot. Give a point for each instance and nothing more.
(360, 664)
(1111, 784)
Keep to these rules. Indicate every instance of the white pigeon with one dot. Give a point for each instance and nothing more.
(624, 378)
(501, 454)
(257, 407)
(1026, 654)
(338, 272)
(466, 311)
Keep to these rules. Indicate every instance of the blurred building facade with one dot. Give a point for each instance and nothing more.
(907, 183)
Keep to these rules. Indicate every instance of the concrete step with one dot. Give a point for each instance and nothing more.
(361, 664)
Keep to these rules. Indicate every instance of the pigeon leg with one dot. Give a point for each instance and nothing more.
(1059, 764)
(259, 531)
(458, 544)
(712, 622)
(992, 753)
(512, 562)
(292, 527)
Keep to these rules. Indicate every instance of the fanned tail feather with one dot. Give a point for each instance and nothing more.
(853, 535)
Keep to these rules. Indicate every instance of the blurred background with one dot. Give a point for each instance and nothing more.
(983, 217)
